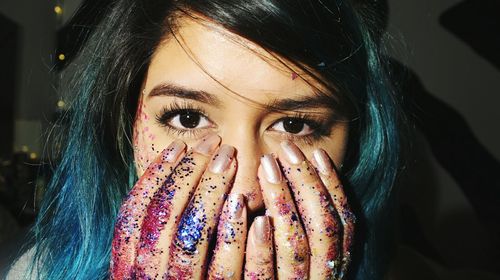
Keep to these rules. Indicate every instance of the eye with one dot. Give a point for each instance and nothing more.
(297, 126)
(187, 119)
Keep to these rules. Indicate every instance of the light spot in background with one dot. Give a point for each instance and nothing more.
(60, 104)
(58, 10)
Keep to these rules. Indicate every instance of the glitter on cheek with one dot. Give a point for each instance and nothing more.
(142, 138)
(136, 122)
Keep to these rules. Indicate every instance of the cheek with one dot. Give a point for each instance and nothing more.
(335, 146)
(146, 138)
(338, 146)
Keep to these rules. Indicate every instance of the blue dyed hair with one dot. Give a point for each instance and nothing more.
(328, 39)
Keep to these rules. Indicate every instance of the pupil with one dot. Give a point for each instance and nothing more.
(293, 126)
(189, 119)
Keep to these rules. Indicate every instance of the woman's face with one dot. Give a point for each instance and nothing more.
(189, 91)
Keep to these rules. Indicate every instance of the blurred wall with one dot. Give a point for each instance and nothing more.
(449, 68)
(34, 96)
(454, 73)
(9, 53)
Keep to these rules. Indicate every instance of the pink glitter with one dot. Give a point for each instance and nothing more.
(253, 276)
(283, 206)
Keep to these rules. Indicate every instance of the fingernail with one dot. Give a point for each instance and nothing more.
(323, 161)
(221, 160)
(262, 229)
(208, 144)
(173, 151)
(236, 205)
(271, 169)
(292, 152)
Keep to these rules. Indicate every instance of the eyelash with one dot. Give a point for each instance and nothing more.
(174, 109)
(320, 128)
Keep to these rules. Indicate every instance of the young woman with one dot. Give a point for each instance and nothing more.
(228, 124)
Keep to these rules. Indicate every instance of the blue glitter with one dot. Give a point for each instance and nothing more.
(190, 229)
(229, 234)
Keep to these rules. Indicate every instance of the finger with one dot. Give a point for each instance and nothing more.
(317, 213)
(166, 207)
(331, 181)
(133, 210)
(188, 250)
(227, 261)
(290, 242)
(259, 254)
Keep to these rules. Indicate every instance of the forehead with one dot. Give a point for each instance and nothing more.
(202, 55)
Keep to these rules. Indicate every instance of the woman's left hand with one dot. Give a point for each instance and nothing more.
(313, 242)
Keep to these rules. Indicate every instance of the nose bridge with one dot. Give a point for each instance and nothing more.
(245, 139)
(249, 148)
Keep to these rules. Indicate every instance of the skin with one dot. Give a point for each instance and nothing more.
(208, 191)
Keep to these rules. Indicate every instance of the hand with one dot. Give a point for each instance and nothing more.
(322, 208)
(166, 222)
(164, 225)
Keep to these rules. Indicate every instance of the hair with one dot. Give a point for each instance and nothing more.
(330, 39)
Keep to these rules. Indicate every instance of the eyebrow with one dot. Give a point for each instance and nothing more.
(318, 100)
(166, 89)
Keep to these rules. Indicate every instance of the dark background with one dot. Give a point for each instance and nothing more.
(445, 56)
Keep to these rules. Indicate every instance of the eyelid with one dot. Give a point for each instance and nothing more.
(176, 116)
(175, 108)
(321, 126)
(306, 124)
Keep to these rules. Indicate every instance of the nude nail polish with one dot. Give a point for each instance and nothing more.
(262, 229)
(207, 144)
(173, 151)
(323, 161)
(271, 169)
(292, 153)
(236, 205)
(222, 158)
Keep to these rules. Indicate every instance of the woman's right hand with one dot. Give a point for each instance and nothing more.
(163, 228)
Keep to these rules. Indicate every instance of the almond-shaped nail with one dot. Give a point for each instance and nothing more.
(272, 172)
(207, 144)
(292, 153)
(271, 169)
(236, 205)
(323, 161)
(262, 229)
(222, 158)
(172, 152)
